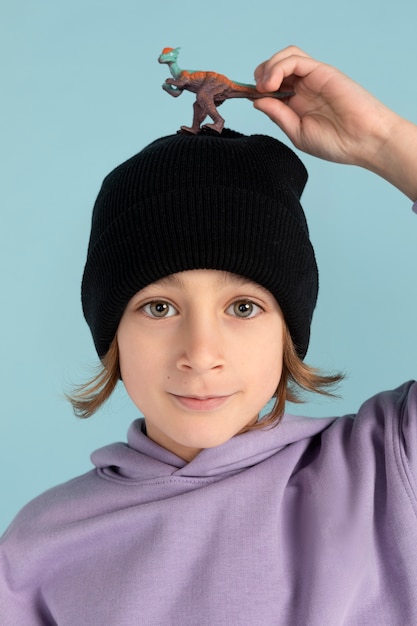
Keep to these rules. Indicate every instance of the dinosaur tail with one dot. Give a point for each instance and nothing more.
(241, 90)
(271, 94)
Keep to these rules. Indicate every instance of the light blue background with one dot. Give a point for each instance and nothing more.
(81, 91)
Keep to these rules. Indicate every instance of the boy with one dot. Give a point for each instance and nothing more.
(199, 288)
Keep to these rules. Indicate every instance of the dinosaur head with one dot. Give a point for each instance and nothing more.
(169, 55)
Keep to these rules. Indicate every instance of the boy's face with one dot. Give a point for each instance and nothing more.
(200, 355)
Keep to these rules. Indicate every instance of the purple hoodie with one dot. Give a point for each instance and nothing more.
(311, 523)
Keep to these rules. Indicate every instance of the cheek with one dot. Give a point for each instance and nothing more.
(133, 359)
(270, 368)
(264, 361)
(138, 379)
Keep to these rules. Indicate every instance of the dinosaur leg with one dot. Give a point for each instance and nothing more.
(207, 103)
(198, 118)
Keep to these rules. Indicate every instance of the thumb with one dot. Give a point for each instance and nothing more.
(282, 115)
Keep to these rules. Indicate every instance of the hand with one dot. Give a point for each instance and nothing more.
(329, 116)
(332, 117)
(171, 89)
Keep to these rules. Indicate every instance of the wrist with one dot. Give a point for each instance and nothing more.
(392, 152)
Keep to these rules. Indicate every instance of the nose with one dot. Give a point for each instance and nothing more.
(202, 345)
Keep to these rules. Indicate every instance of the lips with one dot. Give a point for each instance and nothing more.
(201, 403)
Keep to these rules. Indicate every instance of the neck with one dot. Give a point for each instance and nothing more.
(174, 69)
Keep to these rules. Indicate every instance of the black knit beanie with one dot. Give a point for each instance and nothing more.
(226, 202)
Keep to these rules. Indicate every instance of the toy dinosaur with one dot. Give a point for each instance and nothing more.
(211, 89)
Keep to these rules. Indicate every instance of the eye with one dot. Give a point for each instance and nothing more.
(244, 309)
(159, 309)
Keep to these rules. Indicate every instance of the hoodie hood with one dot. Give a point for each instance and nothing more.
(143, 459)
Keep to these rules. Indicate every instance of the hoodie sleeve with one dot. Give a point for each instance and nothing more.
(404, 439)
(19, 607)
(14, 612)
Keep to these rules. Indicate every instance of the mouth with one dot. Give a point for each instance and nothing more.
(201, 403)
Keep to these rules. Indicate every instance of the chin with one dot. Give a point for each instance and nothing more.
(210, 438)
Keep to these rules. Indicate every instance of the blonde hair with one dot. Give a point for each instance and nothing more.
(296, 378)
(87, 398)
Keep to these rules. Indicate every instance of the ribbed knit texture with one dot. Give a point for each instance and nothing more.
(227, 202)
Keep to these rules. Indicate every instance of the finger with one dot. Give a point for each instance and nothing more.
(271, 74)
(289, 50)
(274, 73)
(282, 115)
(282, 54)
(278, 56)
